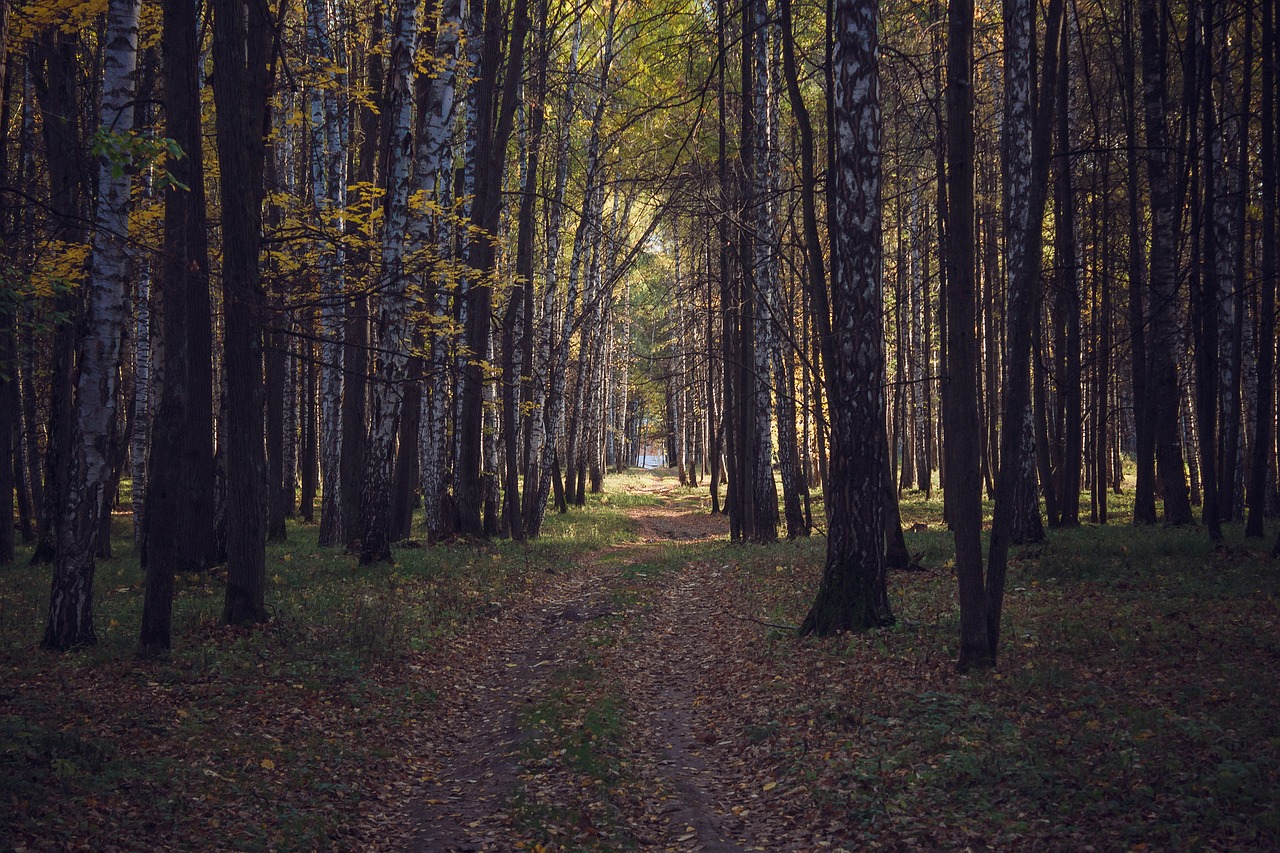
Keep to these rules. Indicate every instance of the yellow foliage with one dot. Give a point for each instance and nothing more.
(149, 23)
(71, 16)
(60, 265)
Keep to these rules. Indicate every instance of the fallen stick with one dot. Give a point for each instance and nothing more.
(766, 624)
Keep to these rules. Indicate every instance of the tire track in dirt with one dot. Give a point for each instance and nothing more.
(475, 772)
(463, 806)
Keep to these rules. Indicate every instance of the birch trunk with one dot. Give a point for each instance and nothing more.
(764, 295)
(327, 194)
(142, 382)
(70, 620)
(433, 170)
(393, 300)
(853, 592)
(1025, 146)
(558, 363)
(550, 373)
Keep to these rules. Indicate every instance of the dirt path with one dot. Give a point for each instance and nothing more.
(645, 629)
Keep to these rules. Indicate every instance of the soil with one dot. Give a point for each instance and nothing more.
(694, 794)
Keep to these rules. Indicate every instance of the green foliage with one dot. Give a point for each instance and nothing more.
(128, 151)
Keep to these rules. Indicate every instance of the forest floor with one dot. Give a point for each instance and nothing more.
(630, 682)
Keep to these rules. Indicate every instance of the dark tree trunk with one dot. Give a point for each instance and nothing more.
(355, 386)
(9, 450)
(1102, 395)
(1162, 283)
(55, 74)
(405, 476)
(520, 309)
(1144, 500)
(10, 402)
(242, 39)
(1204, 295)
(1067, 349)
(494, 119)
(180, 469)
(815, 263)
(1264, 408)
(960, 397)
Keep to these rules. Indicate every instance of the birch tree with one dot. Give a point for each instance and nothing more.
(432, 175)
(70, 621)
(853, 592)
(1026, 163)
(328, 189)
(393, 299)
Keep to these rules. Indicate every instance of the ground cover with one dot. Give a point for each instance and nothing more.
(630, 682)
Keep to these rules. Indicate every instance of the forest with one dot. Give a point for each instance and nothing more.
(611, 424)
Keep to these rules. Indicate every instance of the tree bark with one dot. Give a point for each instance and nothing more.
(853, 594)
(70, 621)
(393, 302)
(494, 118)
(328, 194)
(242, 39)
(180, 469)
(960, 398)
(1162, 282)
(1016, 515)
(1067, 347)
(1144, 500)
(1264, 409)
(55, 74)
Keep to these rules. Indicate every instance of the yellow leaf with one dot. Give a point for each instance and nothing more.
(268, 764)
(769, 786)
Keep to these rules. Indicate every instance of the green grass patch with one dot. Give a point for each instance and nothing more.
(1135, 701)
(284, 726)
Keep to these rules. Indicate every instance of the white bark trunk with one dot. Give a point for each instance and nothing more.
(393, 301)
(106, 315)
(433, 172)
(328, 194)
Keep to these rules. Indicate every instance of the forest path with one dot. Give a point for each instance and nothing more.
(592, 715)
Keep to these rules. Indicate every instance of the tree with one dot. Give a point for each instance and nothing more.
(70, 620)
(494, 120)
(242, 36)
(393, 299)
(1026, 165)
(433, 177)
(853, 594)
(1166, 223)
(960, 393)
(1264, 409)
(178, 530)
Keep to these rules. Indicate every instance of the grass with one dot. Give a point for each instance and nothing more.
(1135, 703)
(269, 737)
